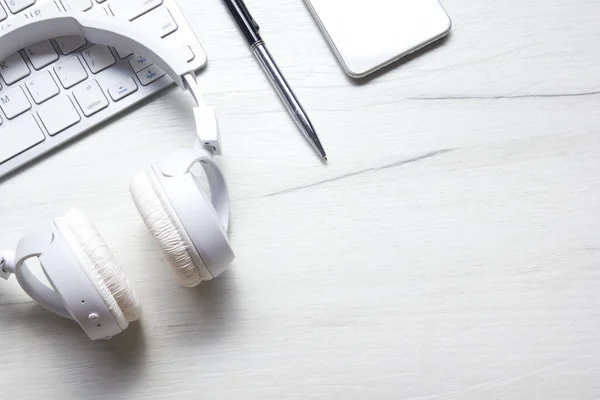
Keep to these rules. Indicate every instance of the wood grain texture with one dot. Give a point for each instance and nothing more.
(449, 250)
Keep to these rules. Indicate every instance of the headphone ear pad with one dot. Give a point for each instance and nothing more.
(163, 223)
(102, 267)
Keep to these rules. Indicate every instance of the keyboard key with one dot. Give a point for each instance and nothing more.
(47, 9)
(13, 69)
(69, 44)
(14, 103)
(91, 98)
(3, 14)
(19, 136)
(160, 23)
(138, 63)
(70, 72)
(186, 54)
(123, 53)
(150, 74)
(42, 87)
(77, 5)
(41, 54)
(122, 89)
(133, 9)
(19, 5)
(98, 58)
(58, 114)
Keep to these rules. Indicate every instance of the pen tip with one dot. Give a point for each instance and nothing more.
(325, 158)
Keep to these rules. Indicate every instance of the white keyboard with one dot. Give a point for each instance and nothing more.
(58, 89)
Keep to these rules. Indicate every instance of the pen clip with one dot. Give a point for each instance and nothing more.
(247, 14)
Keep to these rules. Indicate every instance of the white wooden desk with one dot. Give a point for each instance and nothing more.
(449, 250)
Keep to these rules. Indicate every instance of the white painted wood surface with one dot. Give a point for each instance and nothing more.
(449, 250)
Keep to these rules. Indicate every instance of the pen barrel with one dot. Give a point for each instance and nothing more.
(276, 78)
(287, 95)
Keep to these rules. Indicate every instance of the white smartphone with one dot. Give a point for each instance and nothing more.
(369, 34)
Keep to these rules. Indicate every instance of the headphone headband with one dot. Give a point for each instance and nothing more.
(112, 31)
(98, 29)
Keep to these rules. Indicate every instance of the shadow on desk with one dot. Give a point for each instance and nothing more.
(61, 343)
(215, 312)
(199, 316)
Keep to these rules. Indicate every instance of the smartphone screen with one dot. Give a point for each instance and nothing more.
(369, 34)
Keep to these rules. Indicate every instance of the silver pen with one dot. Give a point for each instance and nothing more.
(250, 29)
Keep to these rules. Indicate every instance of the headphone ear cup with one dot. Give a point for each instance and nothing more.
(101, 266)
(164, 225)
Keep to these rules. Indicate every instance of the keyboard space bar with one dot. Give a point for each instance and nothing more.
(19, 136)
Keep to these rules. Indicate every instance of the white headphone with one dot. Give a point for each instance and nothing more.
(87, 283)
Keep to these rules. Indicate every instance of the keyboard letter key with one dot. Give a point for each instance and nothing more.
(19, 136)
(58, 114)
(14, 103)
(13, 69)
(41, 54)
